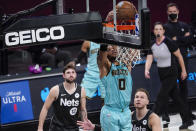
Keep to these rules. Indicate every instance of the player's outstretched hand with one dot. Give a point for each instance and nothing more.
(86, 124)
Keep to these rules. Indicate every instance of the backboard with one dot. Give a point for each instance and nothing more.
(134, 33)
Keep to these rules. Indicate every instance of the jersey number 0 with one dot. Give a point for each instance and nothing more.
(121, 84)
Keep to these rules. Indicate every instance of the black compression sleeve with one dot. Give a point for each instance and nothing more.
(80, 57)
(103, 47)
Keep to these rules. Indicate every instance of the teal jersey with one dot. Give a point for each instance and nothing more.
(91, 80)
(92, 66)
(118, 87)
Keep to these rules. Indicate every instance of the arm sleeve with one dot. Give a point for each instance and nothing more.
(80, 57)
(149, 52)
(171, 45)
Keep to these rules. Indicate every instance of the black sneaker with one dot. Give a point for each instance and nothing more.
(185, 125)
(166, 118)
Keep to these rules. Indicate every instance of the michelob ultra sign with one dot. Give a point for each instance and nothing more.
(15, 102)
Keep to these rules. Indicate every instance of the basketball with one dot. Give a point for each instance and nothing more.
(125, 10)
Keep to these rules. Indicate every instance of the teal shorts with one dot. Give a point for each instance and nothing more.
(114, 119)
(91, 85)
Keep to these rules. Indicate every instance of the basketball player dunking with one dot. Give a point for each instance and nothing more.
(117, 80)
(67, 98)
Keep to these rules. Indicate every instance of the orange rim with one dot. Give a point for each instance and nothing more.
(120, 27)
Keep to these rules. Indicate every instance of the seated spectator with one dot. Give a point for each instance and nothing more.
(50, 55)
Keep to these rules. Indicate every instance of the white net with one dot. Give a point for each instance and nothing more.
(129, 56)
(128, 28)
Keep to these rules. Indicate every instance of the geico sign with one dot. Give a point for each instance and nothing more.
(32, 36)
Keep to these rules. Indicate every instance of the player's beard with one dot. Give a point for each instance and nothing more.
(111, 58)
(70, 81)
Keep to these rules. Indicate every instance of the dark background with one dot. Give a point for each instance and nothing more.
(7, 7)
(157, 7)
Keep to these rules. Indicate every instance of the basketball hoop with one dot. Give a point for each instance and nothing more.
(126, 55)
(129, 29)
(125, 31)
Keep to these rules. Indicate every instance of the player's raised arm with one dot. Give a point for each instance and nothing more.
(85, 46)
(84, 49)
(102, 61)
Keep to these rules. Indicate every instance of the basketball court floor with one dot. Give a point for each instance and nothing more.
(175, 122)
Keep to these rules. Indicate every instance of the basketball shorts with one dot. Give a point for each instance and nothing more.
(91, 85)
(114, 119)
